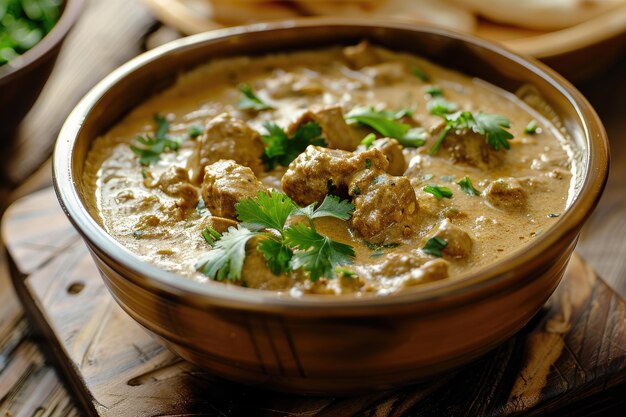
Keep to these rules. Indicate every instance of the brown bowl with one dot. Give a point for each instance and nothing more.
(331, 344)
(22, 79)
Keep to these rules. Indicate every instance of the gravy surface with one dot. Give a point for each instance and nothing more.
(149, 221)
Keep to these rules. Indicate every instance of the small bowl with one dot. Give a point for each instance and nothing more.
(22, 79)
(331, 344)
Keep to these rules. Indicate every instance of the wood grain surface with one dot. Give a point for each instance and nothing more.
(571, 351)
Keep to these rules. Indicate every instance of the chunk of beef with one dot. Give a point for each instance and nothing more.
(288, 84)
(175, 183)
(469, 148)
(361, 55)
(386, 73)
(459, 241)
(506, 194)
(385, 206)
(335, 130)
(411, 268)
(393, 151)
(320, 171)
(225, 183)
(227, 137)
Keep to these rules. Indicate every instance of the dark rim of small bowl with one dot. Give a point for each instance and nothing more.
(69, 15)
(470, 285)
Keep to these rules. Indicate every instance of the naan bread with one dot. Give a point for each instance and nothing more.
(540, 14)
(438, 12)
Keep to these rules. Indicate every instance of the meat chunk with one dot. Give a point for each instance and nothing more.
(469, 148)
(410, 268)
(227, 137)
(361, 55)
(459, 241)
(393, 151)
(506, 194)
(386, 73)
(336, 131)
(225, 183)
(175, 183)
(320, 171)
(385, 206)
(256, 274)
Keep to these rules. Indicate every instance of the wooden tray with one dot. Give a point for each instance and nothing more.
(571, 358)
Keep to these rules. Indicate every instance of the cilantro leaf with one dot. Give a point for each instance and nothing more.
(467, 186)
(225, 259)
(276, 253)
(250, 101)
(440, 106)
(282, 150)
(211, 235)
(433, 91)
(149, 149)
(492, 126)
(387, 124)
(438, 192)
(316, 254)
(368, 140)
(332, 206)
(531, 128)
(434, 246)
(419, 73)
(268, 210)
(194, 131)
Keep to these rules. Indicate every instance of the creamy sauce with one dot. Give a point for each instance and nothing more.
(147, 221)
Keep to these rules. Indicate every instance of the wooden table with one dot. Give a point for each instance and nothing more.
(111, 32)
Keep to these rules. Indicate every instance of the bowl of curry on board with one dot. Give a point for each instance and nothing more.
(331, 206)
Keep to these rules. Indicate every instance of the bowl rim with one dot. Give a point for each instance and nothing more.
(477, 283)
(71, 11)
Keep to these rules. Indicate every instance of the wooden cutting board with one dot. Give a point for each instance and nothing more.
(571, 358)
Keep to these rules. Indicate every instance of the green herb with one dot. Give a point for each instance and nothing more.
(467, 186)
(210, 235)
(23, 23)
(387, 124)
(433, 91)
(368, 140)
(376, 246)
(282, 150)
(434, 246)
(345, 273)
(149, 149)
(531, 127)
(194, 131)
(438, 192)
(552, 215)
(144, 173)
(250, 101)
(298, 246)
(439, 106)
(492, 126)
(419, 73)
(225, 259)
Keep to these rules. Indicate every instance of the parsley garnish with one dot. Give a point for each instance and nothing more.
(467, 186)
(345, 273)
(433, 91)
(368, 140)
(282, 150)
(194, 131)
(531, 127)
(387, 124)
(419, 73)
(438, 192)
(210, 235)
(492, 126)
(285, 248)
(434, 246)
(439, 106)
(150, 148)
(250, 101)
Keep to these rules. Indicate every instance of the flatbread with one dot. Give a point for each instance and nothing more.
(540, 14)
(437, 12)
(236, 12)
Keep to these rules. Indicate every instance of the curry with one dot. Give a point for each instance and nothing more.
(333, 171)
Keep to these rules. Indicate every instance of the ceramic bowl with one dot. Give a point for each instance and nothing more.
(331, 344)
(22, 79)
